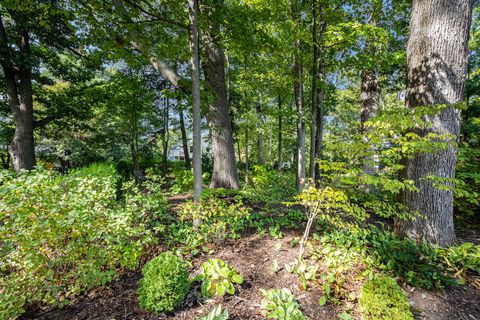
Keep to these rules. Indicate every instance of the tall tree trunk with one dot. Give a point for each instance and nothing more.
(186, 153)
(225, 173)
(370, 91)
(436, 69)
(299, 101)
(319, 131)
(22, 149)
(197, 131)
(280, 134)
(314, 111)
(298, 90)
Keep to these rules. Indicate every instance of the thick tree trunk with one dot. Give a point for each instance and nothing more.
(22, 149)
(225, 173)
(280, 134)
(437, 65)
(186, 153)
(370, 91)
(195, 65)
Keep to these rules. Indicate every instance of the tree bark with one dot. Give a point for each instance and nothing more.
(197, 137)
(370, 91)
(437, 65)
(22, 149)
(186, 153)
(225, 173)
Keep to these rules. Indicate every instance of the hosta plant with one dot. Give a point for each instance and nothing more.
(280, 304)
(216, 314)
(218, 278)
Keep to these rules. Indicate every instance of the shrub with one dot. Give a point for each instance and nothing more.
(164, 284)
(218, 278)
(61, 235)
(280, 304)
(382, 298)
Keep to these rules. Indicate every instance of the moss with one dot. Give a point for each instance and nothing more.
(164, 284)
(382, 298)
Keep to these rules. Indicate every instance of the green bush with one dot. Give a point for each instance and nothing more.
(382, 298)
(218, 278)
(61, 235)
(164, 284)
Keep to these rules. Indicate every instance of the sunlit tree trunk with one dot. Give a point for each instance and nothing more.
(436, 70)
(314, 109)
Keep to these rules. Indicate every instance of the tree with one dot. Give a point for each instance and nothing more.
(437, 66)
(197, 138)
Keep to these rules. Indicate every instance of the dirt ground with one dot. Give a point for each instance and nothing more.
(253, 256)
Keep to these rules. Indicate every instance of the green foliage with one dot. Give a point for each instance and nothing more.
(467, 182)
(218, 219)
(382, 298)
(165, 283)
(65, 234)
(280, 304)
(416, 264)
(216, 314)
(462, 258)
(183, 181)
(269, 186)
(218, 278)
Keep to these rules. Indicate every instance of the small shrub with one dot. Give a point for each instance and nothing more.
(280, 304)
(218, 278)
(164, 284)
(382, 298)
(216, 314)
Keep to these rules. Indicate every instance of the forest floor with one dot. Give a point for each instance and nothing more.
(254, 257)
